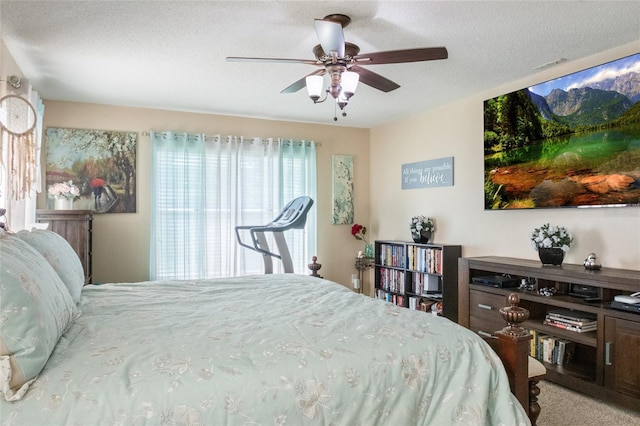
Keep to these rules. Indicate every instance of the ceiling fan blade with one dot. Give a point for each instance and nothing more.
(374, 80)
(402, 56)
(282, 60)
(331, 36)
(302, 82)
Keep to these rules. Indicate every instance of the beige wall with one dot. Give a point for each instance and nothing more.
(121, 241)
(457, 130)
(7, 66)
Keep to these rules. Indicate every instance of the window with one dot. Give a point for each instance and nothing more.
(204, 186)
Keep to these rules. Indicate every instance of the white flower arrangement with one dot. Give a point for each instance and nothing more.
(422, 223)
(548, 236)
(63, 190)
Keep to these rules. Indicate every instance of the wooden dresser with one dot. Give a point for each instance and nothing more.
(76, 227)
(605, 362)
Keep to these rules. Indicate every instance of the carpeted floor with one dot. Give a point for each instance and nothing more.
(564, 407)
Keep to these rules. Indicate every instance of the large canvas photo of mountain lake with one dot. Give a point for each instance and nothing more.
(569, 142)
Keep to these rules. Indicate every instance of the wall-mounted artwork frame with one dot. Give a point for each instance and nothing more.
(101, 163)
(342, 210)
(569, 142)
(427, 174)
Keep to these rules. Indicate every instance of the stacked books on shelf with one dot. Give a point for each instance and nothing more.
(566, 319)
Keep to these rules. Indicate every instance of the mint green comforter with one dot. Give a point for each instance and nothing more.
(262, 350)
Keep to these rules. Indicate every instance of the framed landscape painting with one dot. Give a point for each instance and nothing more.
(569, 142)
(101, 163)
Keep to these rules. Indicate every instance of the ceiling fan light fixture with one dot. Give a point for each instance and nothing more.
(350, 81)
(342, 63)
(314, 86)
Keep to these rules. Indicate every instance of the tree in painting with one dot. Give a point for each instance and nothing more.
(101, 163)
(568, 142)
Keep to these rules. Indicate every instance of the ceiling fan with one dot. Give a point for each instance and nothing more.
(342, 61)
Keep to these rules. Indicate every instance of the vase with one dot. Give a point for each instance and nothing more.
(368, 250)
(551, 256)
(421, 237)
(63, 204)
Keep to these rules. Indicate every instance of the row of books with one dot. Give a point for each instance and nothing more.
(392, 255)
(424, 259)
(425, 283)
(551, 349)
(392, 280)
(391, 298)
(566, 319)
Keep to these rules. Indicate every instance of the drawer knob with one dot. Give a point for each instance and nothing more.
(483, 306)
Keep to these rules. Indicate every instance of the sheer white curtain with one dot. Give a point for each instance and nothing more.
(203, 186)
(21, 207)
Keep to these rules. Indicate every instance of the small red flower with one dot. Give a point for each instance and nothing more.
(358, 231)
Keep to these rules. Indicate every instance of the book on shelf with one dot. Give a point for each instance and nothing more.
(424, 259)
(571, 320)
(571, 327)
(392, 280)
(432, 295)
(413, 302)
(392, 255)
(425, 283)
(396, 299)
(533, 343)
(569, 315)
(566, 348)
(563, 320)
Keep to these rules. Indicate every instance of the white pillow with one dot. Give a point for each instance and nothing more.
(35, 308)
(60, 255)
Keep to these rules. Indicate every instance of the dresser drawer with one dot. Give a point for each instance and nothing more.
(484, 312)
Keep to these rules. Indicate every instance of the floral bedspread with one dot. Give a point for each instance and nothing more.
(262, 350)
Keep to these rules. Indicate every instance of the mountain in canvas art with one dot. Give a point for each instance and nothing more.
(569, 142)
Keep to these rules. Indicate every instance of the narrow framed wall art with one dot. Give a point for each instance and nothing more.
(342, 189)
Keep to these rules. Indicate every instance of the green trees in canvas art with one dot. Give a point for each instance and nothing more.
(342, 191)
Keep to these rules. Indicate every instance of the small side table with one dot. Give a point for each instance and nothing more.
(362, 264)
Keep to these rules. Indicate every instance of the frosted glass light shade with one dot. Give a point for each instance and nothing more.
(349, 83)
(314, 86)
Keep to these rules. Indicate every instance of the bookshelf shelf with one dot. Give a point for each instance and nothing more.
(604, 363)
(412, 275)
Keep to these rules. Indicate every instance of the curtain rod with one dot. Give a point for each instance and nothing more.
(318, 144)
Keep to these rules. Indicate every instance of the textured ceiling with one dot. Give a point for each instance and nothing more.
(171, 55)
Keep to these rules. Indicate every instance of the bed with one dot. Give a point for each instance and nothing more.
(280, 349)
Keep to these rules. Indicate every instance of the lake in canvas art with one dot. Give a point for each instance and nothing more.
(569, 142)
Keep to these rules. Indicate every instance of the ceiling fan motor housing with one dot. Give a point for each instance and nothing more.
(335, 71)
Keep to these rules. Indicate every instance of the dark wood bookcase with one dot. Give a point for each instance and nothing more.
(606, 362)
(408, 273)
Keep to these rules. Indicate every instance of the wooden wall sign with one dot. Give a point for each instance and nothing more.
(428, 174)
